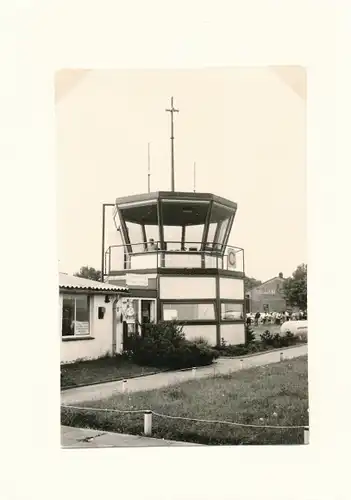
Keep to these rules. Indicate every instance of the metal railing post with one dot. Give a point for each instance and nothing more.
(148, 423)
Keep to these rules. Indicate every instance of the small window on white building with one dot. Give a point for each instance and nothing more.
(231, 311)
(189, 311)
(75, 315)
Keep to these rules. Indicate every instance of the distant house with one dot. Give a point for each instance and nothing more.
(267, 297)
(90, 324)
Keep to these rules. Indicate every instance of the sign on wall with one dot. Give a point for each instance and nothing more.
(231, 259)
(81, 327)
(125, 307)
(137, 280)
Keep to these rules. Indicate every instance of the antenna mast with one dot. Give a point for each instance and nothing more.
(148, 167)
(172, 111)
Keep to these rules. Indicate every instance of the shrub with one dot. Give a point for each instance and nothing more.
(289, 339)
(164, 345)
(276, 340)
(249, 335)
(236, 350)
(268, 341)
(201, 341)
(267, 338)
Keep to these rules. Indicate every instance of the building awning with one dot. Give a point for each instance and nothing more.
(67, 282)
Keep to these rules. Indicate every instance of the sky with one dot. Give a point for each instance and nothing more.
(244, 127)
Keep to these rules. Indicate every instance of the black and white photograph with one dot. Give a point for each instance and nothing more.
(182, 256)
(175, 250)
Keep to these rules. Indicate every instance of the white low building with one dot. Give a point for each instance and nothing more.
(90, 319)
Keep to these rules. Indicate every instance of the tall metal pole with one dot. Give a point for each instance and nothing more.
(148, 168)
(172, 111)
(103, 244)
(103, 270)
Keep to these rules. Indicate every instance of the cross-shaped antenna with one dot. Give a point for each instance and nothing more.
(172, 111)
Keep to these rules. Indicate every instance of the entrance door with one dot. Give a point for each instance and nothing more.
(147, 313)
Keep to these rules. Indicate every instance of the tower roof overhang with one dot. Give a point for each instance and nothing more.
(174, 196)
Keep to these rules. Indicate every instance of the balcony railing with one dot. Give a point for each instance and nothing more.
(146, 256)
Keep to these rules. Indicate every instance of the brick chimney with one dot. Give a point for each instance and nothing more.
(281, 275)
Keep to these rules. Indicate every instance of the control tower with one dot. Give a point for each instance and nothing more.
(176, 262)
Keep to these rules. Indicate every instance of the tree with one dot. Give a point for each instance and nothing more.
(250, 283)
(295, 288)
(89, 273)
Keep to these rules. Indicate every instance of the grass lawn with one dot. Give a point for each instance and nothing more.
(246, 397)
(101, 370)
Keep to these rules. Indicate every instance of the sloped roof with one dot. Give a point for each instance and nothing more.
(268, 281)
(76, 283)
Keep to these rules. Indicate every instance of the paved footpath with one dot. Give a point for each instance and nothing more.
(72, 437)
(222, 366)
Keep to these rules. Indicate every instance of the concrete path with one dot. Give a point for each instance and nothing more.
(72, 437)
(222, 366)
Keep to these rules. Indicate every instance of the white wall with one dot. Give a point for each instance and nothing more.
(100, 330)
(233, 333)
(231, 288)
(213, 262)
(187, 287)
(144, 261)
(182, 260)
(208, 332)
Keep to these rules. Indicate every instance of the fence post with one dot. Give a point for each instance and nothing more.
(124, 386)
(148, 423)
(306, 435)
(194, 372)
(241, 364)
(281, 356)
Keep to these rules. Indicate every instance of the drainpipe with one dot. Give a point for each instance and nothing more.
(114, 326)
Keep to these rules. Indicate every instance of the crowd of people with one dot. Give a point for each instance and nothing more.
(274, 318)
